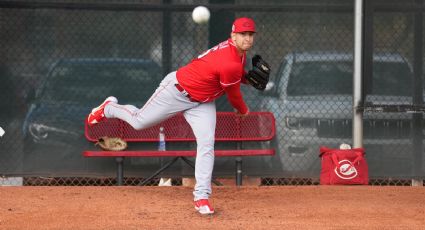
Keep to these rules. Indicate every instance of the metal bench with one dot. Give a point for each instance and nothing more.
(256, 127)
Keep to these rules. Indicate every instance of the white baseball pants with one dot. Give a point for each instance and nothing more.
(166, 101)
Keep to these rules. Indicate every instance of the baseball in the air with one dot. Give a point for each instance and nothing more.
(201, 14)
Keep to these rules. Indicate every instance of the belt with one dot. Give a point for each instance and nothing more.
(183, 91)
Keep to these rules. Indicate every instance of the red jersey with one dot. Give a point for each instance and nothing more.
(217, 71)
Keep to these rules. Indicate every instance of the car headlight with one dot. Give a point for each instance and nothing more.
(295, 123)
(40, 131)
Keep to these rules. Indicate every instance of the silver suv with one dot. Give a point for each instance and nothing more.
(311, 97)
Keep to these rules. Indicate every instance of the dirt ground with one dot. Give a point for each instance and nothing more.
(283, 207)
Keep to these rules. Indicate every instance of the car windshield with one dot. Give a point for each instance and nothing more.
(88, 82)
(330, 78)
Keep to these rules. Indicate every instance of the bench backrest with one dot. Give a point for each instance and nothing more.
(257, 126)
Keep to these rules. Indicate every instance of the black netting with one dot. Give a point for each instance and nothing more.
(61, 58)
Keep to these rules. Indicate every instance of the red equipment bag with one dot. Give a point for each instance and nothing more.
(343, 166)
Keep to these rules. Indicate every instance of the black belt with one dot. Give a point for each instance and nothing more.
(180, 88)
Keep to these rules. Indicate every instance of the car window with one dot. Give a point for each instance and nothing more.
(389, 78)
(328, 78)
(86, 82)
(320, 78)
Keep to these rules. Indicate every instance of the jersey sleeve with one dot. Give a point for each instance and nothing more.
(234, 96)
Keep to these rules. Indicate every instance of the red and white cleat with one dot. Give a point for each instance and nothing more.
(97, 114)
(203, 207)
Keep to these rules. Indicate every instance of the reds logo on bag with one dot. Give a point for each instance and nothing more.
(343, 166)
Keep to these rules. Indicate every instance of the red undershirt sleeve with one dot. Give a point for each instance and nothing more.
(235, 98)
(243, 79)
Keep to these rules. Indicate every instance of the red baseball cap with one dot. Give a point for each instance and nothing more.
(242, 25)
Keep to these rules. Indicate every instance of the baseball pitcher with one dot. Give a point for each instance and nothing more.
(192, 90)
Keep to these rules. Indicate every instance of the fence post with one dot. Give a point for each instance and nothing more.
(357, 75)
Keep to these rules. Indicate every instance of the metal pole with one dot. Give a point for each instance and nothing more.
(357, 75)
(417, 118)
(166, 39)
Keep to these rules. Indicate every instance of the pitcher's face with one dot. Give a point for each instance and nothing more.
(243, 41)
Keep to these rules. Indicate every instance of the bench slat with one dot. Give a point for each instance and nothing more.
(257, 126)
(179, 153)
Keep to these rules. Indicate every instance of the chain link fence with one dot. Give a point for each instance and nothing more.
(61, 58)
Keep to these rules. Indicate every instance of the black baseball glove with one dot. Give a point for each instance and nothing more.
(259, 75)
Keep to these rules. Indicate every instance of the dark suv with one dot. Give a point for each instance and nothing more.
(54, 125)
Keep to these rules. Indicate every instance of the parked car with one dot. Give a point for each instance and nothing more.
(54, 126)
(311, 97)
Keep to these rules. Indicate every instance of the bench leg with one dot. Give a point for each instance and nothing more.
(120, 173)
(190, 163)
(238, 171)
(159, 171)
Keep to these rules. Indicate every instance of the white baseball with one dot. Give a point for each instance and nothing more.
(344, 146)
(201, 14)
